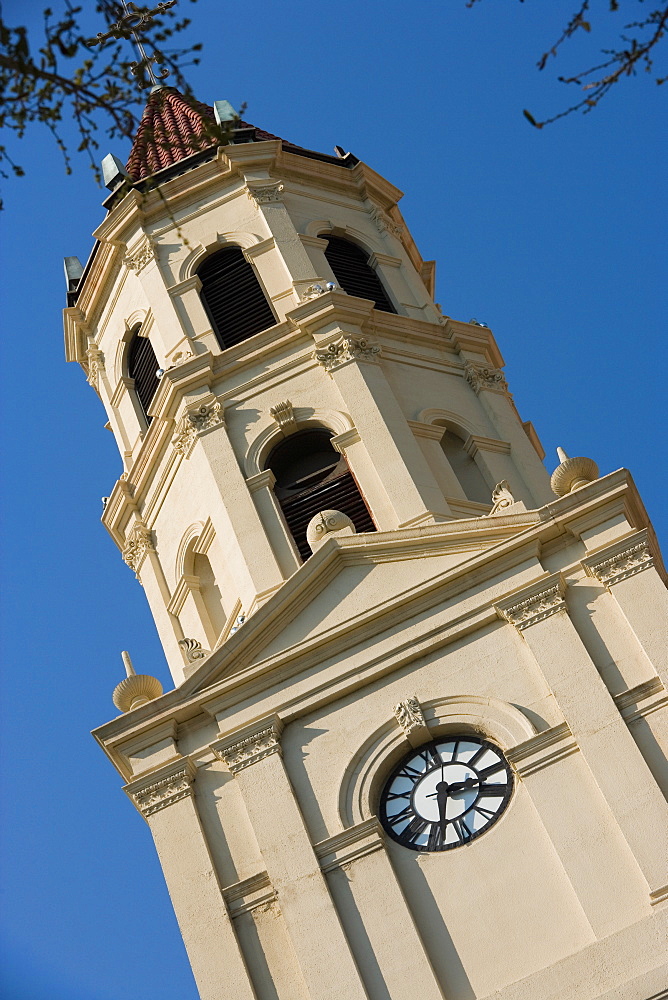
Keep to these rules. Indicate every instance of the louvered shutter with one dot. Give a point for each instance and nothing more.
(353, 272)
(142, 367)
(309, 456)
(233, 297)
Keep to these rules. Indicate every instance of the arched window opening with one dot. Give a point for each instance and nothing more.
(210, 596)
(233, 297)
(354, 273)
(469, 475)
(311, 476)
(143, 368)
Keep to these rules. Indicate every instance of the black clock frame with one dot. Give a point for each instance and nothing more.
(430, 753)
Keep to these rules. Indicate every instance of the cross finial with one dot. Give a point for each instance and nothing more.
(130, 25)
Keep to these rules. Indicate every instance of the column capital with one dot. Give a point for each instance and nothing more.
(247, 746)
(621, 560)
(344, 350)
(161, 788)
(535, 603)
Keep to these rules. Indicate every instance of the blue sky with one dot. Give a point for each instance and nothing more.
(553, 238)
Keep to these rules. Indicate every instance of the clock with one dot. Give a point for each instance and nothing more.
(446, 793)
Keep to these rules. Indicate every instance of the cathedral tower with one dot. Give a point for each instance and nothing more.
(416, 741)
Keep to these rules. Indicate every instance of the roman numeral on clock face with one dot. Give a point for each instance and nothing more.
(461, 829)
(414, 830)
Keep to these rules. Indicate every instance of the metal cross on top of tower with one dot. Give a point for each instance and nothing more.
(129, 25)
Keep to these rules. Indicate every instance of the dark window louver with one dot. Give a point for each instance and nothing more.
(310, 477)
(142, 367)
(353, 272)
(233, 297)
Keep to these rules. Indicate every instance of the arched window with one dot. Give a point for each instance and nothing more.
(311, 476)
(469, 475)
(143, 367)
(214, 617)
(354, 273)
(233, 297)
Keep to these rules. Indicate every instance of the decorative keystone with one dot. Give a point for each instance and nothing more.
(572, 473)
(328, 522)
(136, 689)
(408, 714)
(284, 415)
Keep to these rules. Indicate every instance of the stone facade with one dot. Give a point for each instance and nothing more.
(535, 625)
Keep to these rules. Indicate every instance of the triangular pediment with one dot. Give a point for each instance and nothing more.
(355, 581)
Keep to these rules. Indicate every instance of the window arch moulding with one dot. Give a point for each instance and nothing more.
(499, 721)
(200, 251)
(271, 433)
(140, 321)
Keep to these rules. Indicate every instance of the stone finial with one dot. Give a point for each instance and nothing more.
(136, 689)
(328, 522)
(572, 473)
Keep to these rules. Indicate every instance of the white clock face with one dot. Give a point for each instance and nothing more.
(446, 793)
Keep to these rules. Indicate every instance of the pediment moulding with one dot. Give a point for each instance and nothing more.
(223, 679)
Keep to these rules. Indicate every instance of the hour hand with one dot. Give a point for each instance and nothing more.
(461, 786)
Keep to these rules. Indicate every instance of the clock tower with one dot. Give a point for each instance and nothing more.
(416, 742)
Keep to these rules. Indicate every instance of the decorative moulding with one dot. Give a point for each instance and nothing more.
(197, 420)
(250, 746)
(244, 896)
(345, 440)
(284, 415)
(94, 366)
(265, 194)
(162, 788)
(475, 443)
(642, 700)
(384, 259)
(206, 538)
(481, 376)
(534, 604)
(139, 542)
(257, 249)
(620, 561)
(192, 650)
(409, 714)
(353, 843)
(261, 481)
(542, 750)
(384, 224)
(341, 352)
(326, 523)
(138, 257)
(501, 497)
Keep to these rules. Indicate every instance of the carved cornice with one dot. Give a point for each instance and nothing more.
(195, 422)
(620, 561)
(139, 542)
(481, 376)
(140, 256)
(543, 601)
(159, 790)
(258, 743)
(263, 194)
(342, 352)
(408, 714)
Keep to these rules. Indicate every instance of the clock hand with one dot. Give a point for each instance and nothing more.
(461, 786)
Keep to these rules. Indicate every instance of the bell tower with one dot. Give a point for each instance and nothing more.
(416, 740)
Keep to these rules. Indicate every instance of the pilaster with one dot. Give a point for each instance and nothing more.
(254, 757)
(626, 569)
(539, 613)
(165, 798)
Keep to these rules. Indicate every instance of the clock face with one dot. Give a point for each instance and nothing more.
(446, 793)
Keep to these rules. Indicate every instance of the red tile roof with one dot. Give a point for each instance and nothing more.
(173, 127)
